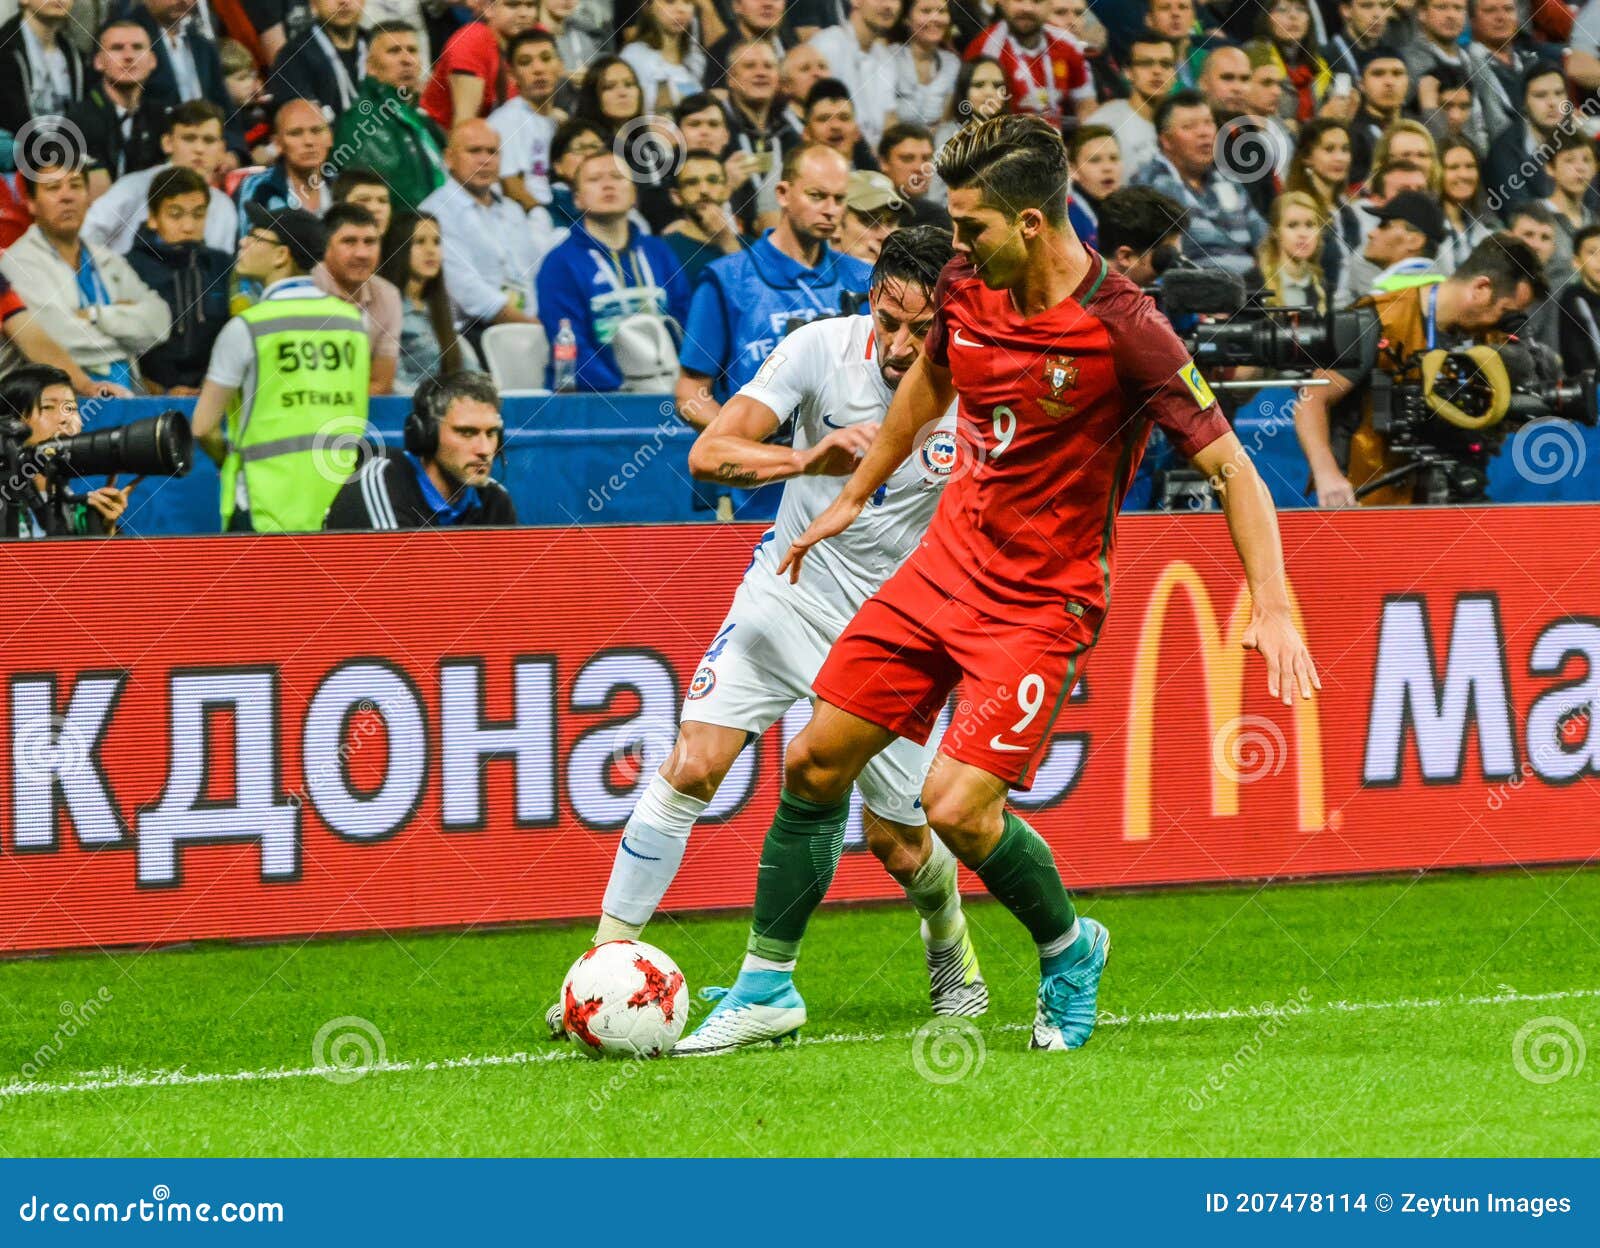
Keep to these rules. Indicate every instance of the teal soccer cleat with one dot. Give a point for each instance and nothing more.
(1067, 996)
(762, 1007)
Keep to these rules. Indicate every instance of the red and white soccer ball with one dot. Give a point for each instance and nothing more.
(625, 999)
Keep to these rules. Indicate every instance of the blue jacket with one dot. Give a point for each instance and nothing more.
(584, 282)
(744, 304)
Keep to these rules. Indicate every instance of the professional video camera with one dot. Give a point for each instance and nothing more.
(1451, 411)
(158, 446)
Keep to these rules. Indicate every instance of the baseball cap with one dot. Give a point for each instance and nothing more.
(296, 229)
(1417, 209)
(872, 192)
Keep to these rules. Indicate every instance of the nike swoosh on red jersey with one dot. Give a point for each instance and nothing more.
(963, 342)
(995, 743)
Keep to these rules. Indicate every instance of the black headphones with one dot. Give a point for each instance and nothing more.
(421, 433)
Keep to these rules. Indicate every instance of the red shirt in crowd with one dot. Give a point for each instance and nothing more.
(1047, 80)
(473, 50)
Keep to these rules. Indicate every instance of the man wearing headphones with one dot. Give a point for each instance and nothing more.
(442, 477)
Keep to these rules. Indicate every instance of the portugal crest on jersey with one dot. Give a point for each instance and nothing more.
(1061, 375)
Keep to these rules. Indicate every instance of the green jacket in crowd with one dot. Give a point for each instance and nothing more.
(386, 132)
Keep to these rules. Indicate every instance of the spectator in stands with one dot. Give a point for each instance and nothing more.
(873, 210)
(368, 189)
(489, 255)
(577, 45)
(1096, 166)
(120, 122)
(741, 302)
(612, 98)
(22, 335)
(469, 79)
(188, 65)
(349, 271)
(925, 69)
(1141, 233)
(1289, 259)
(246, 102)
(41, 70)
(1534, 223)
(386, 131)
(831, 121)
(707, 229)
(441, 478)
(1321, 168)
(1362, 26)
(1224, 227)
(801, 69)
(669, 64)
(1572, 168)
(276, 22)
(759, 130)
(296, 179)
(606, 272)
(324, 64)
(1286, 36)
(1467, 219)
(574, 141)
(1175, 20)
(413, 261)
(1225, 81)
(1456, 114)
(171, 257)
(906, 155)
(1152, 64)
(1403, 245)
(1385, 84)
(284, 450)
(41, 399)
(704, 127)
(1409, 142)
(860, 56)
(753, 20)
(84, 296)
(527, 122)
(1044, 69)
(192, 139)
(1515, 166)
(1502, 277)
(1505, 49)
(1579, 301)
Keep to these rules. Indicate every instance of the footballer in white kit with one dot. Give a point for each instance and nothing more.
(835, 377)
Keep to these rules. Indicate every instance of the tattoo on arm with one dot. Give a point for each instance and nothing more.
(733, 474)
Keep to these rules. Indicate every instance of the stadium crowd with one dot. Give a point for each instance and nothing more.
(666, 187)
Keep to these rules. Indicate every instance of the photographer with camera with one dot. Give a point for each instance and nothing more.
(37, 405)
(1502, 277)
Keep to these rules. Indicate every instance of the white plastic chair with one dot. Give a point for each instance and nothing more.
(516, 356)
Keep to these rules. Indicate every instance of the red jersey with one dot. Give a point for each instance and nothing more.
(1061, 406)
(1047, 79)
(474, 50)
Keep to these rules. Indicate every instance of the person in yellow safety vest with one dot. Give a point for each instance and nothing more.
(284, 406)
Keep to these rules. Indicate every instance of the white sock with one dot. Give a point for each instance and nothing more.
(649, 853)
(933, 892)
(754, 963)
(1063, 942)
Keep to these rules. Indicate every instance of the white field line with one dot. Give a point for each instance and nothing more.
(113, 1080)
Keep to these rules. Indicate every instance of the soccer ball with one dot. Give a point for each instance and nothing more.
(625, 999)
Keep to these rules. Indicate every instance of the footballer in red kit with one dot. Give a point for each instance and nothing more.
(1059, 368)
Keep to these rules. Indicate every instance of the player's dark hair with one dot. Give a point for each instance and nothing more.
(1187, 98)
(1017, 160)
(172, 182)
(823, 90)
(913, 257)
(1507, 262)
(1085, 135)
(191, 113)
(901, 132)
(1139, 217)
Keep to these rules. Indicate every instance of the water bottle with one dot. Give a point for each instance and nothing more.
(565, 355)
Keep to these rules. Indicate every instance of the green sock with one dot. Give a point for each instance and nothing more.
(1022, 876)
(797, 863)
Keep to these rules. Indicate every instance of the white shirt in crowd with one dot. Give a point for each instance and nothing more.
(826, 373)
(655, 71)
(116, 216)
(524, 145)
(52, 80)
(1136, 137)
(489, 253)
(869, 75)
(183, 66)
(923, 103)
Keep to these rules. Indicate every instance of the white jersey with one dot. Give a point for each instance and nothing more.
(826, 374)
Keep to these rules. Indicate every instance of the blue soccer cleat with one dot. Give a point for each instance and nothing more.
(762, 1007)
(1066, 1013)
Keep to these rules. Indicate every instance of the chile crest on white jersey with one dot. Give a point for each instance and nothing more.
(826, 374)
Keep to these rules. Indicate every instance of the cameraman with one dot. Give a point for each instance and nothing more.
(37, 404)
(1141, 232)
(1501, 277)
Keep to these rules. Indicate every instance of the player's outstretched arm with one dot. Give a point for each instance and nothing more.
(925, 394)
(732, 450)
(1253, 522)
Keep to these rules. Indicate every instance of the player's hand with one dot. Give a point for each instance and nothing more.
(838, 454)
(1289, 664)
(1333, 490)
(839, 516)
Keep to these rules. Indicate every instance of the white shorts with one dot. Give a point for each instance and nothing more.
(762, 661)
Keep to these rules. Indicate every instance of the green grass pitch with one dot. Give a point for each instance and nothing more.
(1455, 1015)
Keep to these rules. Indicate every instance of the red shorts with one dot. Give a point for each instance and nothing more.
(908, 646)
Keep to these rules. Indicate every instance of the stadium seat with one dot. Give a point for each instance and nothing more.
(517, 356)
